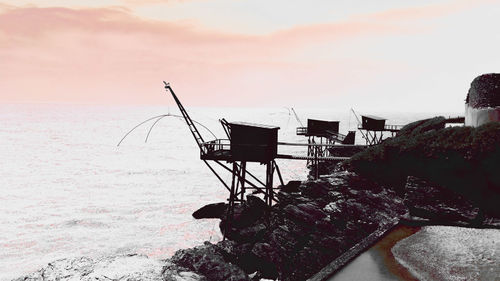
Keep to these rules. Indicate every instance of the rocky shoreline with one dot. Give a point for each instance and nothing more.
(314, 223)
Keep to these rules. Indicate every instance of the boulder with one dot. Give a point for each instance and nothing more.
(297, 214)
(316, 189)
(335, 208)
(248, 213)
(252, 233)
(268, 258)
(211, 211)
(257, 206)
(241, 255)
(207, 260)
(291, 186)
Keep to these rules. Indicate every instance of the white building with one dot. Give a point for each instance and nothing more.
(483, 100)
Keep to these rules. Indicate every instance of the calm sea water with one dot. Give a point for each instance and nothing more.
(67, 190)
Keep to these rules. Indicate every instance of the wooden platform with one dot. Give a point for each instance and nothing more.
(387, 128)
(299, 157)
(223, 155)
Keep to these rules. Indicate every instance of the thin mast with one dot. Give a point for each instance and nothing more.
(194, 131)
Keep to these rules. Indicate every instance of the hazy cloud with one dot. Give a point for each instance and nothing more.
(109, 54)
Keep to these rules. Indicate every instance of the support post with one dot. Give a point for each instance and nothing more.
(230, 208)
(269, 182)
(243, 170)
(279, 173)
(316, 165)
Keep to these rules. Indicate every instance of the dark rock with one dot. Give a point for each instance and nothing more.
(208, 261)
(249, 212)
(326, 225)
(335, 208)
(431, 201)
(293, 226)
(252, 233)
(315, 189)
(283, 241)
(313, 210)
(240, 254)
(306, 230)
(211, 211)
(291, 186)
(255, 203)
(284, 198)
(291, 199)
(268, 258)
(299, 214)
(247, 234)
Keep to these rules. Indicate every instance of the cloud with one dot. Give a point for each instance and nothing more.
(147, 2)
(426, 12)
(109, 55)
(42, 27)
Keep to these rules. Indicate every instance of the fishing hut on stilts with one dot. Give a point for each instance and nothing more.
(373, 128)
(321, 136)
(256, 143)
(246, 142)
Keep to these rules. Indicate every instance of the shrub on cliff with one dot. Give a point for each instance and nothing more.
(464, 159)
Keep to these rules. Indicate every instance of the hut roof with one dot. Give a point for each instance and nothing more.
(323, 120)
(246, 124)
(374, 117)
(484, 91)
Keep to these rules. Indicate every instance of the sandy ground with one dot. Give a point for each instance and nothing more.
(451, 253)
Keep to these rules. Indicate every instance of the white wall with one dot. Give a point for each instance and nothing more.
(478, 116)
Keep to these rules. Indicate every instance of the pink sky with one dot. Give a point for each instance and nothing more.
(398, 55)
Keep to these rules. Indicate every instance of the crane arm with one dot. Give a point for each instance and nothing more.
(357, 118)
(192, 127)
(297, 117)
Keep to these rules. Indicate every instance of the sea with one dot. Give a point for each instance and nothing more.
(68, 190)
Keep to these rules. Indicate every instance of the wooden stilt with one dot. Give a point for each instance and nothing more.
(243, 169)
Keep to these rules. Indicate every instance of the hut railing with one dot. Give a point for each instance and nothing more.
(215, 145)
(393, 127)
(225, 144)
(301, 131)
(386, 128)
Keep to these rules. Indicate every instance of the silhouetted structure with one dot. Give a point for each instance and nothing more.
(322, 135)
(246, 143)
(372, 123)
(253, 142)
(372, 128)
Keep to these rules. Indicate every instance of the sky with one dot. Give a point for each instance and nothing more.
(374, 55)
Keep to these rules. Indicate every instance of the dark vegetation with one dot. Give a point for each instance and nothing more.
(484, 91)
(462, 159)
